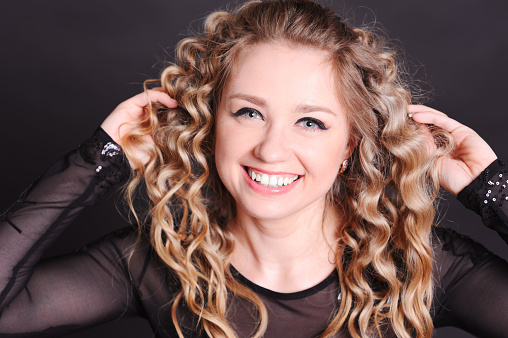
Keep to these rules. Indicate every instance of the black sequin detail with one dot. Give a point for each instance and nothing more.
(487, 195)
(100, 147)
(487, 189)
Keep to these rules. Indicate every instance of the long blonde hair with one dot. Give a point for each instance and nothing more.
(384, 256)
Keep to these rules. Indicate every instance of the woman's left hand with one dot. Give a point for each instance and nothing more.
(470, 155)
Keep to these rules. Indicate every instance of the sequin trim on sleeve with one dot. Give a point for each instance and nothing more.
(487, 195)
(487, 190)
(101, 148)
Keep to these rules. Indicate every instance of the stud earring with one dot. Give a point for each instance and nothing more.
(343, 166)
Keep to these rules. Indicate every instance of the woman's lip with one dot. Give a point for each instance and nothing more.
(269, 172)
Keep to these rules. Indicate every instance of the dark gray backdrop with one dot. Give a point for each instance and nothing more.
(64, 65)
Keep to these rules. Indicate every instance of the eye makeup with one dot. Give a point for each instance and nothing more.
(311, 120)
(248, 112)
(310, 123)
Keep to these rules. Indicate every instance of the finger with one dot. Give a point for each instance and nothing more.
(161, 96)
(155, 96)
(437, 119)
(418, 108)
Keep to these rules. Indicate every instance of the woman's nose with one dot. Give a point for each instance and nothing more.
(273, 145)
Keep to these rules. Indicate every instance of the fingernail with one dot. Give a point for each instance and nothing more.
(410, 115)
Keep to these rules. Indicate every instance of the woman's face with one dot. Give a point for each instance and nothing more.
(281, 133)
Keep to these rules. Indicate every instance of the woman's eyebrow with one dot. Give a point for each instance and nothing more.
(309, 108)
(301, 108)
(250, 98)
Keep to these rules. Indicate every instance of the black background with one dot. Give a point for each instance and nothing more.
(64, 65)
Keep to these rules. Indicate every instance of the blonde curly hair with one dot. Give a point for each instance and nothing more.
(384, 256)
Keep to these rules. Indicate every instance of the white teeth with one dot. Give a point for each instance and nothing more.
(265, 180)
(271, 180)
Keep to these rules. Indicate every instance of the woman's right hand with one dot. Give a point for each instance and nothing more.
(117, 124)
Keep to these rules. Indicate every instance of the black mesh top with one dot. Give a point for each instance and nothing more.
(98, 283)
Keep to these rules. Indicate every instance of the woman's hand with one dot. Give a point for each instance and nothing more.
(470, 156)
(132, 110)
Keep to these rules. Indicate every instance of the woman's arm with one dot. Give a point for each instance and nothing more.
(80, 289)
(50, 204)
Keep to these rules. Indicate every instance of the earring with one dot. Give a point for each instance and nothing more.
(343, 166)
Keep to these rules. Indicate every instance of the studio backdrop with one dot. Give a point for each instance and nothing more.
(64, 65)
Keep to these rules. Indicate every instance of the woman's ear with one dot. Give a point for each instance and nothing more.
(351, 145)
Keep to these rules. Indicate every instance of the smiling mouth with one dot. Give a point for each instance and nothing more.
(271, 180)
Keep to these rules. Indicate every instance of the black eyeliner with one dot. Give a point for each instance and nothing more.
(313, 120)
(244, 110)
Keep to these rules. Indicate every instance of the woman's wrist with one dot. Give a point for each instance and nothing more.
(490, 187)
(106, 155)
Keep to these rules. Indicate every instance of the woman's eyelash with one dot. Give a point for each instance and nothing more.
(311, 120)
(247, 112)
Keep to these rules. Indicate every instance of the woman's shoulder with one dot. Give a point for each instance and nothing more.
(457, 256)
(449, 244)
(469, 285)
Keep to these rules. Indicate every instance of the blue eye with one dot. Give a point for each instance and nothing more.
(249, 113)
(311, 123)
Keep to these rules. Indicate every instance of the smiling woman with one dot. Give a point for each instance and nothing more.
(290, 129)
(274, 58)
(292, 188)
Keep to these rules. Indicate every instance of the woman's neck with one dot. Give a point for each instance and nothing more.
(286, 255)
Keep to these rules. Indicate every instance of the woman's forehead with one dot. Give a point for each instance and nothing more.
(276, 70)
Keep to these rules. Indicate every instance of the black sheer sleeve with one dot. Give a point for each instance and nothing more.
(472, 283)
(67, 291)
(487, 195)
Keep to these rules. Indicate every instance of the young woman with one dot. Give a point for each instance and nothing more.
(291, 186)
